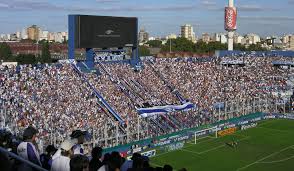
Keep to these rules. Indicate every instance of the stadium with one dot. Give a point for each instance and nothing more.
(228, 111)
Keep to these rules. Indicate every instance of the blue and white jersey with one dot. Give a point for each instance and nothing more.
(28, 151)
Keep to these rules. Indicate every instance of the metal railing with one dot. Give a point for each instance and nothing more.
(142, 128)
(12, 155)
(110, 134)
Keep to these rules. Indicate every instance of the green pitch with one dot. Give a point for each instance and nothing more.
(267, 147)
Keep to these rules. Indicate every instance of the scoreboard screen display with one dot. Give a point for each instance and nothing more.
(105, 31)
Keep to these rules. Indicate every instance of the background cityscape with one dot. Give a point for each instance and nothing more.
(33, 34)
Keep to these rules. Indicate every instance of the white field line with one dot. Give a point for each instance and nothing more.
(154, 163)
(277, 161)
(266, 122)
(202, 152)
(245, 137)
(257, 161)
(159, 165)
(190, 151)
(278, 130)
(210, 139)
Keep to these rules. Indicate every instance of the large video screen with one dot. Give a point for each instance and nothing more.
(105, 31)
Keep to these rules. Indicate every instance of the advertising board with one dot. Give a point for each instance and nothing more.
(247, 126)
(230, 18)
(227, 131)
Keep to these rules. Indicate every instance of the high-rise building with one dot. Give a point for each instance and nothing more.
(238, 38)
(171, 36)
(33, 32)
(13, 37)
(215, 37)
(5, 37)
(8, 36)
(253, 38)
(2, 36)
(206, 37)
(44, 35)
(291, 43)
(18, 35)
(51, 36)
(220, 37)
(286, 40)
(65, 35)
(59, 37)
(151, 38)
(224, 38)
(24, 34)
(143, 36)
(188, 32)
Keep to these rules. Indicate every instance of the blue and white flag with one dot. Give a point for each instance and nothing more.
(150, 111)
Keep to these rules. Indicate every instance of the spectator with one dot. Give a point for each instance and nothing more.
(183, 169)
(57, 100)
(167, 168)
(46, 158)
(113, 164)
(28, 149)
(129, 163)
(5, 162)
(62, 162)
(146, 164)
(106, 158)
(95, 162)
(79, 163)
(80, 136)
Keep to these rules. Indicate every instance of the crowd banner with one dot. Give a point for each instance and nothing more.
(145, 112)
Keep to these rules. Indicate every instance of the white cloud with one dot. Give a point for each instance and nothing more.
(107, 1)
(30, 5)
(267, 18)
(208, 3)
(2, 5)
(250, 8)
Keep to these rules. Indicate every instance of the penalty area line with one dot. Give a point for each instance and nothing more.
(257, 161)
(220, 146)
(277, 161)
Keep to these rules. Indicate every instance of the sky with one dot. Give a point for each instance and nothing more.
(158, 17)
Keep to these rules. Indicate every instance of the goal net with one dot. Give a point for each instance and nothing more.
(204, 134)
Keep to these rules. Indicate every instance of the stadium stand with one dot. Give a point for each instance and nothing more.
(56, 99)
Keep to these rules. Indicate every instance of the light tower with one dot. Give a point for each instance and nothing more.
(230, 23)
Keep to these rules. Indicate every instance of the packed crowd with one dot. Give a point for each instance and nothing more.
(51, 98)
(208, 83)
(110, 56)
(56, 100)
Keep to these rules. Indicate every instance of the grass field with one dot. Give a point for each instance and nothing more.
(267, 147)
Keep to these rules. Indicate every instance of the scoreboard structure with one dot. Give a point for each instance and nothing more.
(105, 32)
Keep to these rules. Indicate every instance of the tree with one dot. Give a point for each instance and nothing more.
(144, 51)
(239, 46)
(64, 41)
(255, 47)
(155, 43)
(5, 52)
(26, 59)
(46, 56)
(202, 47)
(179, 45)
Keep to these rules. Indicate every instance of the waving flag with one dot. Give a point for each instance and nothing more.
(145, 112)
